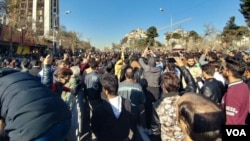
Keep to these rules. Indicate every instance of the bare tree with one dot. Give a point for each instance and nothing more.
(209, 37)
(7, 8)
(210, 31)
(19, 22)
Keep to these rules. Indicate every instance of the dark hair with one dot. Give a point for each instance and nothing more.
(109, 67)
(170, 66)
(237, 67)
(215, 64)
(110, 83)
(63, 72)
(126, 61)
(213, 55)
(189, 56)
(129, 72)
(208, 68)
(93, 63)
(170, 82)
(203, 118)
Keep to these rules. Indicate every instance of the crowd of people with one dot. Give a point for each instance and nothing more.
(122, 96)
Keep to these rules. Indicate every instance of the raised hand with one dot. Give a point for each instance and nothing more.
(48, 60)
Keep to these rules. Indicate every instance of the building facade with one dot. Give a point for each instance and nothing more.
(41, 15)
(27, 25)
(51, 15)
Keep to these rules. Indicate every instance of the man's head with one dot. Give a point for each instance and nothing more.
(246, 55)
(93, 63)
(216, 66)
(109, 67)
(212, 56)
(63, 64)
(233, 68)
(190, 60)
(208, 70)
(63, 75)
(170, 82)
(199, 118)
(247, 72)
(129, 73)
(109, 84)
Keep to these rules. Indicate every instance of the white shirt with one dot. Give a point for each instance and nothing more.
(116, 104)
(219, 77)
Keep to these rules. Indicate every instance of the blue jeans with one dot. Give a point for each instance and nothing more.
(58, 132)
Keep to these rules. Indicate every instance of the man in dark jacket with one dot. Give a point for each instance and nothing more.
(111, 119)
(30, 110)
(212, 88)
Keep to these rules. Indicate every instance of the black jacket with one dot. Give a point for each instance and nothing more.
(191, 85)
(109, 128)
(213, 89)
(26, 104)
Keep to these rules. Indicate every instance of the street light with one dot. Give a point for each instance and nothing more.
(171, 22)
(171, 19)
(55, 16)
(67, 12)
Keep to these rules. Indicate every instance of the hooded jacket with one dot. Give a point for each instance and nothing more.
(150, 72)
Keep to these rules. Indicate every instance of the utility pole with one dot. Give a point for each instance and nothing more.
(53, 36)
(54, 18)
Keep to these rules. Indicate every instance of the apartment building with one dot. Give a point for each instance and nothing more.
(40, 15)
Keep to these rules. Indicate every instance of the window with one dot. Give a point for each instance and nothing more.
(23, 5)
(22, 12)
(40, 12)
(40, 19)
(40, 5)
(29, 18)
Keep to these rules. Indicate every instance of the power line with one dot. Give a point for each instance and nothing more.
(176, 23)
